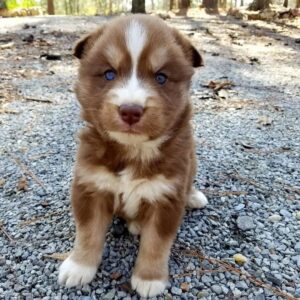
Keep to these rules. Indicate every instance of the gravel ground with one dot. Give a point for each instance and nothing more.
(248, 154)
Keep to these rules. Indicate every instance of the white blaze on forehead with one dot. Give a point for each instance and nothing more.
(135, 36)
(132, 90)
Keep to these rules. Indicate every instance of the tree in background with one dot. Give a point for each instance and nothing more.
(298, 4)
(260, 4)
(211, 6)
(138, 6)
(50, 7)
(183, 6)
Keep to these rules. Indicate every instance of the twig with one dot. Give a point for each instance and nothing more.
(230, 268)
(224, 193)
(38, 218)
(38, 100)
(6, 233)
(28, 172)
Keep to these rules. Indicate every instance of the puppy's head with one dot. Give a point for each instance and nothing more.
(134, 77)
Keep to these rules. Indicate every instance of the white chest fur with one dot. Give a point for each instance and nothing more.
(133, 190)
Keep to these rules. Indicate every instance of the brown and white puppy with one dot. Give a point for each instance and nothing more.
(136, 156)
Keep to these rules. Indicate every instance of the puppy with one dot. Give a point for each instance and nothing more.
(136, 156)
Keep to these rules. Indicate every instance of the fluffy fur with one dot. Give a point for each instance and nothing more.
(142, 172)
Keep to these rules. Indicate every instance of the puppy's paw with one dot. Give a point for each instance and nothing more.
(148, 288)
(197, 199)
(72, 274)
(134, 228)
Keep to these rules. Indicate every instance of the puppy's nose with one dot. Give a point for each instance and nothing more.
(131, 114)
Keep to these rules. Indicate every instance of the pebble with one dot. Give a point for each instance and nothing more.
(245, 223)
(176, 291)
(297, 247)
(275, 218)
(240, 258)
(217, 289)
(202, 294)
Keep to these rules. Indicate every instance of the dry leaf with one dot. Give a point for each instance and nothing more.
(2, 182)
(115, 275)
(58, 256)
(22, 184)
(185, 286)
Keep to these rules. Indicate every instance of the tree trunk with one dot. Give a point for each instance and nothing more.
(286, 3)
(242, 2)
(171, 4)
(298, 4)
(183, 6)
(259, 4)
(50, 7)
(211, 6)
(138, 6)
(110, 7)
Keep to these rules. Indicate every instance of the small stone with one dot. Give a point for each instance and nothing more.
(236, 293)
(206, 279)
(297, 292)
(298, 215)
(259, 297)
(245, 223)
(275, 218)
(176, 291)
(18, 287)
(297, 247)
(273, 279)
(217, 289)
(239, 207)
(285, 213)
(242, 285)
(202, 294)
(110, 295)
(240, 258)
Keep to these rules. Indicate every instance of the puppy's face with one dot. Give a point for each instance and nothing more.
(134, 77)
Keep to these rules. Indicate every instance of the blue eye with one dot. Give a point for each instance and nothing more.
(161, 78)
(110, 75)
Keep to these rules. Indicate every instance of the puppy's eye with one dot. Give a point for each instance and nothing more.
(110, 75)
(161, 78)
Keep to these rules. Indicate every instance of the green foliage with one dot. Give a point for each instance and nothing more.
(13, 4)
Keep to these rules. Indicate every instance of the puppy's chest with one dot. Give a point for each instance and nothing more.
(128, 190)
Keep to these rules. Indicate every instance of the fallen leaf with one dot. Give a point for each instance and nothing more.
(115, 275)
(23, 184)
(57, 256)
(2, 182)
(185, 286)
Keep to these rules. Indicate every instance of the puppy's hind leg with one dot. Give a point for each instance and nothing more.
(197, 199)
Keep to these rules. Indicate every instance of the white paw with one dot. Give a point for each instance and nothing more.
(197, 199)
(73, 274)
(134, 228)
(147, 288)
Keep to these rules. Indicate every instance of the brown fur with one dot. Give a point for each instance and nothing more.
(167, 114)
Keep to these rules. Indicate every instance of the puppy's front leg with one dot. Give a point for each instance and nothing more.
(93, 213)
(150, 274)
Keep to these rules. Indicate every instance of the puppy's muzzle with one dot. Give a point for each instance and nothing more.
(131, 113)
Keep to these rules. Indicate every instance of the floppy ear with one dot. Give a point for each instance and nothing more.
(86, 43)
(188, 49)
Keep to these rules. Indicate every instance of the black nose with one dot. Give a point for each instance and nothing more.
(131, 114)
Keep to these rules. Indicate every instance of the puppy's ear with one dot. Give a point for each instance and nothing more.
(86, 43)
(188, 49)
